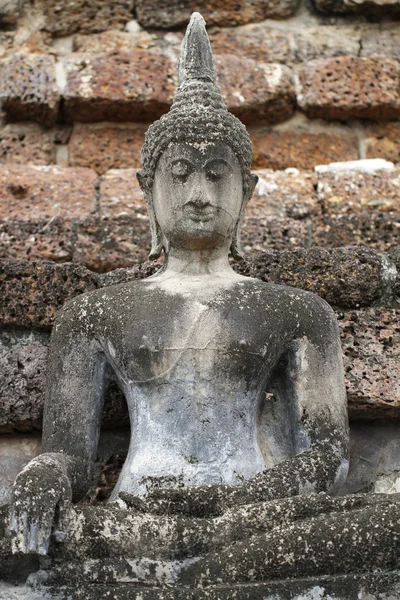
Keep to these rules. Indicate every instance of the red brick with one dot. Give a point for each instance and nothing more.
(27, 144)
(283, 149)
(121, 195)
(120, 86)
(365, 7)
(65, 18)
(33, 292)
(30, 193)
(256, 91)
(168, 14)
(103, 148)
(259, 42)
(383, 141)
(371, 342)
(114, 41)
(346, 87)
(284, 194)
(354, 192)
(28, 90)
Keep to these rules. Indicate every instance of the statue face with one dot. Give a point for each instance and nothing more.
(197, 195)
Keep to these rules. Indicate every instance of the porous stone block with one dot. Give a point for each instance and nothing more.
(375, 229)
(28, 144)
(350, 192)
(350, 86)
(115, 40)
(326, 41)
(289, 193)
(105, 243)
(259, 42)
(120, 195)
(33, 292)
(45, 192)
(302, 150)
(120, 86)
(88, 16)
(28, 89)
(168, 14)
(104, 148)
(256, 91)
(364, 7)
(344, 277)
(273, 233)
(383, 141)
(371, 348)
(381, 39)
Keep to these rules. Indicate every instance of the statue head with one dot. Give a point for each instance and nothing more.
(196, 159)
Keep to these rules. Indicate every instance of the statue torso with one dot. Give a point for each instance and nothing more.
(193, 358)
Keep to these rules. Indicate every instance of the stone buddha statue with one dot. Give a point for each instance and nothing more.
(235, 387)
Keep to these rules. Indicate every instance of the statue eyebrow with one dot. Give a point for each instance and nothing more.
(217, 160)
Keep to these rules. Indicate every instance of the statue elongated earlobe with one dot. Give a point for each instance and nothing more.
(235, 248)
(157, 244)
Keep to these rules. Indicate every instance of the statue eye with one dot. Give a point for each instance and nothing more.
(216, 169)
(181, 169)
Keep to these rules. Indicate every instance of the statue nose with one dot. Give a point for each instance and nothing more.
(198, 195)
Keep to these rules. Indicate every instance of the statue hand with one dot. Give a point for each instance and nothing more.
(40, 505)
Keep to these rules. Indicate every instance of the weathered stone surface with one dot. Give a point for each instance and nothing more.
(383, 141)
(15, 453)
(120, 86)
(273, 233)
(10, 11)
(327, 41)
(259, 42)
(349, 86)
(381, 40)
(86, 16)
(371, 346)
(104, 148)
(282, 149)
(256, 91)
(375, 229)
(43, 192)
(27, 144)
(39, 239)
(28, 90)
(365, 7)
(283, 194)
(355, 192)
(115, 41)
(374, 454)
(344, 277)
(167, 14)
(32, 292)
(121, 195)
(105, 243)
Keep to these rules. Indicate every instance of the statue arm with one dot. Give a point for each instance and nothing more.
(44, 490)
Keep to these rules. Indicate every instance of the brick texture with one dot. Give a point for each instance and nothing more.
(383, 141)
(365, 7)
(283, 149)
(256, 91)
(28, 90)
(349, 86)
(104, 148)
(172, 13)
(120, 86)
(65, 18)
(27, 145)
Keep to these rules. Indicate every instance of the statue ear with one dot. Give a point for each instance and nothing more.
(253, 180)
(156, 234)
(236, 249)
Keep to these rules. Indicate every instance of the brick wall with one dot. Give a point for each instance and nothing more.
(316, 82)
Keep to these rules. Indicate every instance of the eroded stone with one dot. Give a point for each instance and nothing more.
(86, 16)
(349, 86)
(28, 89)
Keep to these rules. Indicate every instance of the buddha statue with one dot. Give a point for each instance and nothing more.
(235, 390)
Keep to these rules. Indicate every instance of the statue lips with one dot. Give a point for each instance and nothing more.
(200, 212)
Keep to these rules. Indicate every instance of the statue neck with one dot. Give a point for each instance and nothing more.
(197, 262)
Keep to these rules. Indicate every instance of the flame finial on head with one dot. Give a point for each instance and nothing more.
(198, 115)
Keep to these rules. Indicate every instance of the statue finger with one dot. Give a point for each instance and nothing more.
(32, 538)
(44, 532)
(20, 533)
